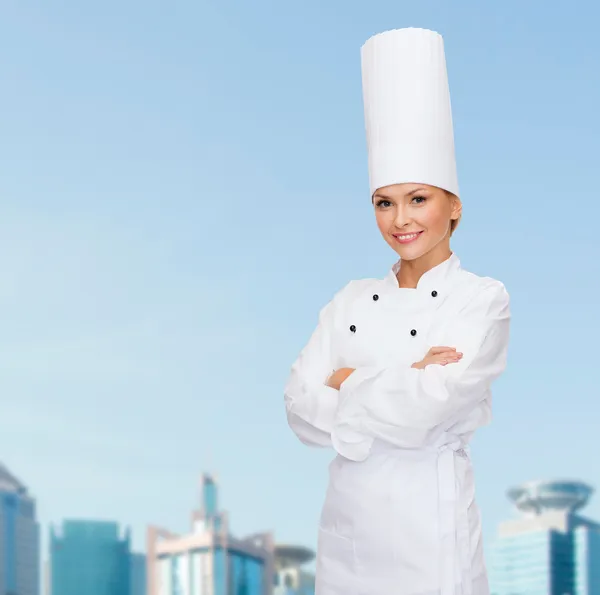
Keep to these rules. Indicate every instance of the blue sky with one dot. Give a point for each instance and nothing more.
(183, 187)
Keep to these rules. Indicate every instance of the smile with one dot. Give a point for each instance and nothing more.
(406, 238)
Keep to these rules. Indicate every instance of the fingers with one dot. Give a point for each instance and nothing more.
(448, 357)
(438, 350)
(441, 355)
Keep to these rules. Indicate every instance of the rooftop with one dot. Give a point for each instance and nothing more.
(288, 555)
(541, 496)
(9, 483)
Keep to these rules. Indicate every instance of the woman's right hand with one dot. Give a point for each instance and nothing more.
(439, 355)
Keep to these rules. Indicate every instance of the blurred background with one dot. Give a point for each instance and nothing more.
(183, 186)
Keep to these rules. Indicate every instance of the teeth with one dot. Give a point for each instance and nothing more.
(408, 237)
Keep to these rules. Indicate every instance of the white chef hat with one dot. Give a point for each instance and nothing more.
(408, 116)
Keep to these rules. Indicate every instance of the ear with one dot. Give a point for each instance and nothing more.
(456, 207)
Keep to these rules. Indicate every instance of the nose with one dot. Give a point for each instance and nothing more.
(402, 217)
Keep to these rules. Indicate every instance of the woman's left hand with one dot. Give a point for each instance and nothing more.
(336, 379)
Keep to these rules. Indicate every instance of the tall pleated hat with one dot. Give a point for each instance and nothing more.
(408, 114)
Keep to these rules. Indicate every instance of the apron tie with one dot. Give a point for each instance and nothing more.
(454, 523)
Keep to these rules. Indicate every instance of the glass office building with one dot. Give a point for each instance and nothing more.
(89, 557)
(586, 542)
(138, 574)
(551, 549)
(19, 538)
(209, 560)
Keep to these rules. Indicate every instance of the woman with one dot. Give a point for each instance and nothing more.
(397, 375)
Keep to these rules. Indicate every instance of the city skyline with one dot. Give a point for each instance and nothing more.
(551, 543)
(96, 554)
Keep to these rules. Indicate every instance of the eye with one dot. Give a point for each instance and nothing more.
(383, 203)
(420, 199)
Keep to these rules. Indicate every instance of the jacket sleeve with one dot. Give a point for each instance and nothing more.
(403, 405)
(310, 403)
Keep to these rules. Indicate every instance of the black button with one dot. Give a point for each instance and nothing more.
(352, 328)
(413, 332)
(434, 293)
(375, 297)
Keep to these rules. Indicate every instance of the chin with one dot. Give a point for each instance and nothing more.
(409, 252)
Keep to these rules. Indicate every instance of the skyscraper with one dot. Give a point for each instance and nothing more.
(587, 560)
(19, 538)
(551, 549)
(209, 560)
(138, 574)
(89, 557)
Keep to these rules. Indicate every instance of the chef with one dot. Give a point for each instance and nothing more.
(397, 375)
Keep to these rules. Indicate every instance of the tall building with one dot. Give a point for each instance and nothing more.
(551, 549)
(209, 560)
(91, 558)
(290, 576)
(138, 574)
(19, 538)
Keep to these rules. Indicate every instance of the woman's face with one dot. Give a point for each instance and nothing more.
(414, 218)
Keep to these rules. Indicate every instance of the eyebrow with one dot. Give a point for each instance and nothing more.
(422, 189)
(381, 195)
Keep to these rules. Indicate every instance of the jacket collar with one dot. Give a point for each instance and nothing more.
(435, 279)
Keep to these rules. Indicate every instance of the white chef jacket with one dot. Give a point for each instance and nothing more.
(400, 516)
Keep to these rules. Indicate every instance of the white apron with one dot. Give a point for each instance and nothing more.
(400, 516)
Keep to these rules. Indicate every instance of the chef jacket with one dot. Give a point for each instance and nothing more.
(400, 516)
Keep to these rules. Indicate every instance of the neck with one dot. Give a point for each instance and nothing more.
(412, 270)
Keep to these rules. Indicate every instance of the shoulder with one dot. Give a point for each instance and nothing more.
(346, 295)
(481, 291)
(479, 285)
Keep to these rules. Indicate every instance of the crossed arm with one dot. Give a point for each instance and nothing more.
(350, 408)
(436, 355)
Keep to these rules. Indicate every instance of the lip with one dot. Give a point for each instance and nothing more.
(399, 239)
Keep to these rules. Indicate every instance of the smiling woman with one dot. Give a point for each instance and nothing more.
(416, 219)
(413, 356)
